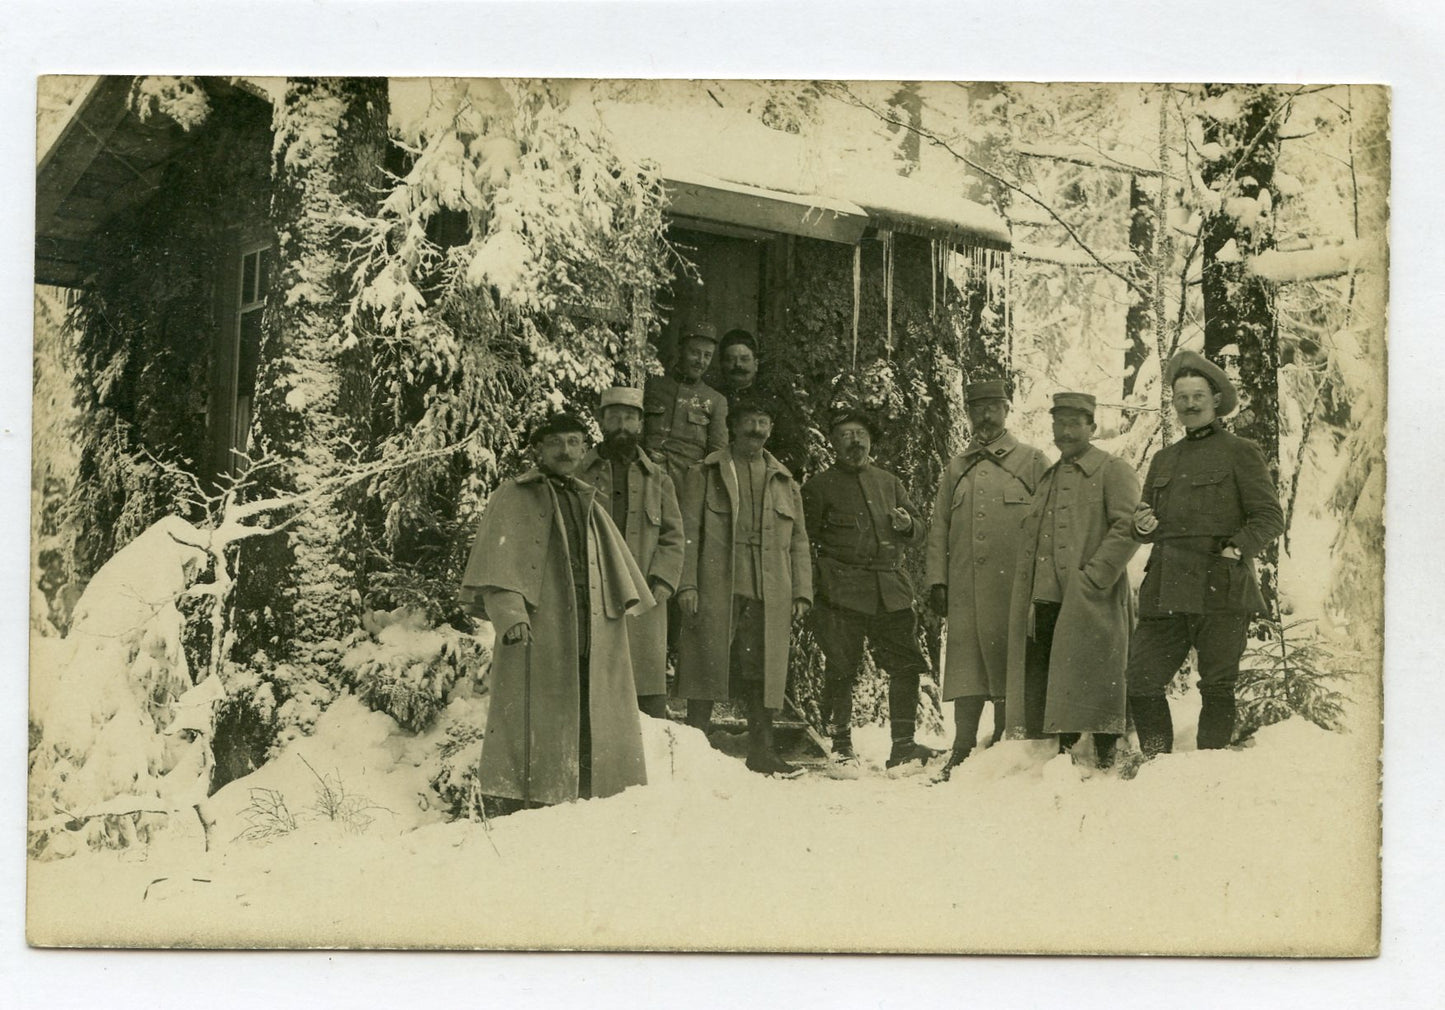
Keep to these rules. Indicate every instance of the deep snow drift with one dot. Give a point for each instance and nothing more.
(1218, 852)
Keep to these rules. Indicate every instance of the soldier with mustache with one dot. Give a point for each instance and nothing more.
(861, 521)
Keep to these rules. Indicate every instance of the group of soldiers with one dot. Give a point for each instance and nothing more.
(681, 526)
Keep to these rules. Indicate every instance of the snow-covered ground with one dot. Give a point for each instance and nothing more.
(1225, 852)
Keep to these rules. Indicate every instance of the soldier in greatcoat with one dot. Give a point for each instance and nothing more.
(746, 574)
(1209, 508)
(983, 496)
(640, 497)
(860, 522)
(553, 575)
(684, 418)
(1072, 609)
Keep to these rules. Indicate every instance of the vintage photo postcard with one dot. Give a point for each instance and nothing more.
(708, 515)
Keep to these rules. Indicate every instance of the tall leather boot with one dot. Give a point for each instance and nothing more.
(1153, 724)
(903, 721)
(699, 715)
(762, 758)
(1216, 722)
(966, 713)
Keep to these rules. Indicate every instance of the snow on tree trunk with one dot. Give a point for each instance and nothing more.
(1240, 131)
(1139, 320)
(330, 142)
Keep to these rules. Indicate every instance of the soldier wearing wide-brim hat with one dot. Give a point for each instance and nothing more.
(1209, 508)
(642, 501)
(1072, 608)
(861, 522)
(973, 537)
(684, 418)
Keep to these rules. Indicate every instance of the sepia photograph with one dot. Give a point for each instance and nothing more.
(659, 514)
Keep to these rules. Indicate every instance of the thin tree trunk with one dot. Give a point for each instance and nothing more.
(1138, 322)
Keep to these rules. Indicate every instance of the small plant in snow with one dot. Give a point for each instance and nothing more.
(335, 804)
(267, 816)
(456, 782)
(1290, 671)
(400, 665)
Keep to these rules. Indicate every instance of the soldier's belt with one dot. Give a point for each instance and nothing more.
(754, 539)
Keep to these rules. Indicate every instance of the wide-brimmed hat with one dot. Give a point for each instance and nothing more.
(557, 424)
(855, 415)
(624, 396)
(1082, 402)
(1218, 379)
(988, 389)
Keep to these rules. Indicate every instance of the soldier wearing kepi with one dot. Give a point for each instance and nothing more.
(860, 521)
(641, 499)
(550, 571)
(1072, 609)
(684, 418)
(746, 574)
(983, 496)
(1209, 508)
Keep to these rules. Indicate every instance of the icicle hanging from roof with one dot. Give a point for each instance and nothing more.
(933, 278)
(888, 294)
(857, 285)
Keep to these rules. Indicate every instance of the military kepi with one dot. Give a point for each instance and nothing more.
(988, 389)
(1193, 360)
(703, 331)
(624, 396)
(558, 424)
(1083, 402)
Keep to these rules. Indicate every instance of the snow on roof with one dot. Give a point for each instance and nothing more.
(729, 145)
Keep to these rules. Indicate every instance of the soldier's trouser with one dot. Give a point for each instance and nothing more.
(584, 730)
(654, 705)
(1036, 667)
(1159, 646)
(893, 638)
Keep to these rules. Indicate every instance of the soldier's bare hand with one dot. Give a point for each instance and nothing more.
(518, 634)
(801, 607)
(1145, 521)
(660, 591)
(687, 602)
(901, 519)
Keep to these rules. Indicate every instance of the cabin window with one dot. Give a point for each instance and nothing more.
(255, 281)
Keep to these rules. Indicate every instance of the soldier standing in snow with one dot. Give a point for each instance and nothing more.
(550, 571)
(860, 521)
(746, 575)
(684, 418)
(1072, 610)
(643, 504)
(972, 555)
(1209, 508)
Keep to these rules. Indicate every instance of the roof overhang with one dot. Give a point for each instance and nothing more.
(700, 199)
(105, 159)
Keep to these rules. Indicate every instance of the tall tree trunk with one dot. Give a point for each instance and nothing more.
(1239, 317)
(1139, 321)
(313, 393)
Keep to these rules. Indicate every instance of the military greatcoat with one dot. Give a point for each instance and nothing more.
(973, 540)
(654, 536)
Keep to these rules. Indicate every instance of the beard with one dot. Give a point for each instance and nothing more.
(619, 444)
